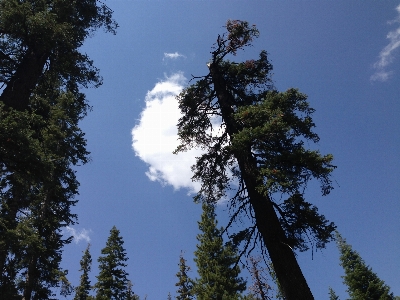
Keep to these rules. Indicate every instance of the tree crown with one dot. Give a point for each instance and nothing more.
(235, 115)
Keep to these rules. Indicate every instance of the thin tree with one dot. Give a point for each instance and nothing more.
(258, 152)
(332, 294)
(184, 284)
(260, 288)
(112, 282)
(216, 262)
(84, 288)
(362, 282)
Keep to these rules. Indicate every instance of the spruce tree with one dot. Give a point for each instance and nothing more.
(42, 73)
(184, 284)
(83, 290)
(259, 151)
(216, 262)
(362, 282)
(112, 282)
(332, 294)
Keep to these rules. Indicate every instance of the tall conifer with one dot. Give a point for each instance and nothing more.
(362, 282)
(82, 291)
(216, 262)
(42, 72)
(259, 151)
(112, 281)
(184, 284)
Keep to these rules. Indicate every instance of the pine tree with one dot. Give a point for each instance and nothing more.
(332, 294)
(83, 290)
(184, 283)
(362, 282)
(112, 281)
(216, 262)
(261, 146)
(42, 72)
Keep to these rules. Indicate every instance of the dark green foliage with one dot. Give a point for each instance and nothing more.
(38, 35)
(38, 185)
(83, 290)
(275, 128)
(41, 72)
(216, 262)
(130, 294)
(261, 145)
(184, 284)
(362, 283)
(332, 294)
(112, 282)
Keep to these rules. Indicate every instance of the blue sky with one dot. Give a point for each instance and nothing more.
(343, 54)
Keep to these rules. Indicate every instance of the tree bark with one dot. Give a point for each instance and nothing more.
(292, 281)
(31, 278)
(21, 84)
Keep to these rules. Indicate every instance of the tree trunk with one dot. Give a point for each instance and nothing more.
(31, 278)
(21, 84)
(292, 281)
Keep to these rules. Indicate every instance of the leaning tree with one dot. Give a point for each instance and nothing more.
(254, 140)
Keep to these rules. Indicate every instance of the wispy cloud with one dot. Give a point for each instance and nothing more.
(173, 55)
(78, 235)
(156, 136)
(386, 55)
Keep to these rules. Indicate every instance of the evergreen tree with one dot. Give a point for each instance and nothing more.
(112, 282)
(130, 294)
(82, 291)
(332, 294)
(362, 283)
(184, 283)
(216, 262)
(261, 143)
(42, 71)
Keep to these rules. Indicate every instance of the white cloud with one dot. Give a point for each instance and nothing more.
(386, 55)
(173, 55)
(156, 136)
(78, 235)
